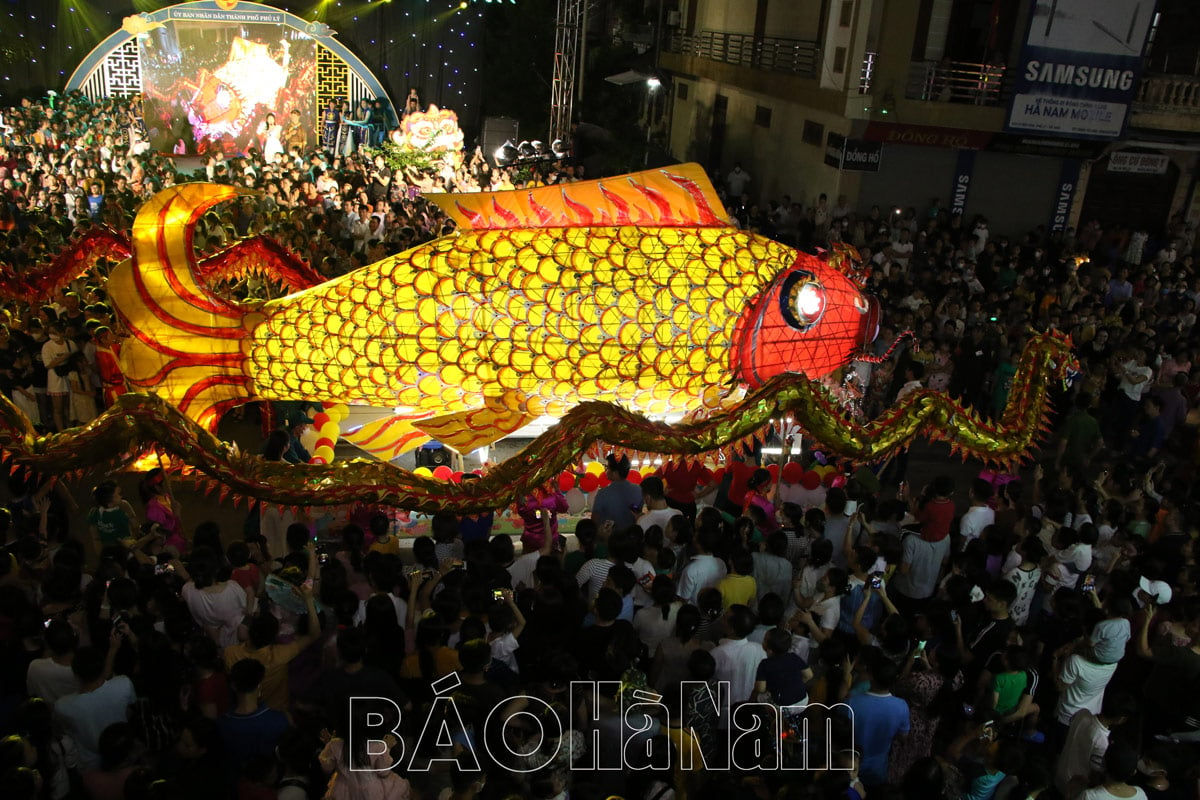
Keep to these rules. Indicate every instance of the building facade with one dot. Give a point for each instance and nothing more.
(897, 103)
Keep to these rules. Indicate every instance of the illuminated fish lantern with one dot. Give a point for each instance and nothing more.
(632, 289)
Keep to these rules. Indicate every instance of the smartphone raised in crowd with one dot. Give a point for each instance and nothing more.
(851, 508)
(1089, 583)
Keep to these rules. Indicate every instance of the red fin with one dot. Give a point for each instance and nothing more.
(680, 195)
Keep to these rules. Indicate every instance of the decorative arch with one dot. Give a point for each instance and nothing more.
(113, 68)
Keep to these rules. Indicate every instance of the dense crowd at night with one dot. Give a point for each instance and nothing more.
(976, 635)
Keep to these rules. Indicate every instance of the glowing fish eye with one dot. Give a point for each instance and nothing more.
(802, 300)
(810, 300)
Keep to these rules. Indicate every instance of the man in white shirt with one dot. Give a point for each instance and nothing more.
(979, 516)
(703, 571)
(737, 180)
(654, 494)
(737, 657)
(52, 677)
(1135, 376)
(772, 570)
(1083, 751)
(98, 703)
(1081, 683)
(901, 251)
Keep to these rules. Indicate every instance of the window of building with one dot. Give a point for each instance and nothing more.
(762, 116)
(814, 133)
(681, 90)
(839, 60)
(847, 15)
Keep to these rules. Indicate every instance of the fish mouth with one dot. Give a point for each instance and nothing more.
(868, 330)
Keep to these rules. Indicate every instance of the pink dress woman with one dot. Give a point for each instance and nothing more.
(530, 508)
(161, 509)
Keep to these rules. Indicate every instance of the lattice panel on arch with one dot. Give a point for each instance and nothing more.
(333, 78)
(123, 70)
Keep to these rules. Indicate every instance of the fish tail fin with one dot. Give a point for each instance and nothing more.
(185, 343)
(387, 438)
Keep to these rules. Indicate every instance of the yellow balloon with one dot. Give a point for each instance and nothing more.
(325, 453)
(339, 412)
(594, 468)
(424, 472)
(330, 430)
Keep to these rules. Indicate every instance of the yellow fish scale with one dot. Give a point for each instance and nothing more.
(639, 316)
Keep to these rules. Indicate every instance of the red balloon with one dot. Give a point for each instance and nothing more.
(319, 419)
(793, 472)
(634, 476)
(443, 473)
(316, 460)
(456, 477)
(810, 481)
(589, 483)
(774, 470)
(566, 481)
(324, 441)
(604, 480)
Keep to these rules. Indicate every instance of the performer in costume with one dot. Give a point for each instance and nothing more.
(345, 140)
(412, 104)
(362, 114)
(108, 351)
(270, 136)
(379, 123)
(293, 132)
(332, 118)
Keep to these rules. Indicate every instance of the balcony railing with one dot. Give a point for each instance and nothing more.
(1170, 93)
(795, 56)
(868, 72)
(957, 82)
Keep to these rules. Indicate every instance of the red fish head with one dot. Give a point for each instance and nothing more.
(811, 319)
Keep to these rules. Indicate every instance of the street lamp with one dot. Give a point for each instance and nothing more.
(653, 84)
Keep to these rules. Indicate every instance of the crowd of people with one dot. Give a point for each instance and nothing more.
(981, 636)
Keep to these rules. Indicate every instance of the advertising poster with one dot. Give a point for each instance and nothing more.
(211, 80)
(1079, 67)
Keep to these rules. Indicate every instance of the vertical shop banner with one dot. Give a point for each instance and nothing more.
(1079, 67)
(1064, 197)
(961, 187)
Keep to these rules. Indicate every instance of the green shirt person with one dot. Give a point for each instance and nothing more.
(1081, 436)
(111, 520)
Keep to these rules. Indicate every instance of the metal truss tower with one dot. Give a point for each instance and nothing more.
(568, 33)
